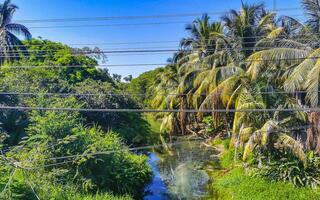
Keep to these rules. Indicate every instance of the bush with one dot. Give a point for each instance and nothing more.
(120, 171)
(54, 134)
(294, 171)
(43, 188)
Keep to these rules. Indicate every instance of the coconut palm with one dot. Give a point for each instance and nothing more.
(297, 54)
(312, 8)
(243, 29)
(190, 62)
(272, 137)
(11, 47)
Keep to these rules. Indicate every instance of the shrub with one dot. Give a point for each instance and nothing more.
(53, 134)
(294, 171)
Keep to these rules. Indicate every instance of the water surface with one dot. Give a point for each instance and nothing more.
(181, 173)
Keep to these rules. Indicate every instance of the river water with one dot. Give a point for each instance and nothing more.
(180, 174)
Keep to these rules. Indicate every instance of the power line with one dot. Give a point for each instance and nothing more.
(151, 64)
(158, 110)
(130, 149)
(110, 18)
(135, 94)
(116, 50)
(102, 66)
(108, 25)
(101, 153)
(147, 52)
(165, 41)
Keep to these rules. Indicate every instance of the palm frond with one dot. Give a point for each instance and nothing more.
(259, 59)
(254, 141)
(19, 29)
(312, 85)
(285, 142)
(296, 81)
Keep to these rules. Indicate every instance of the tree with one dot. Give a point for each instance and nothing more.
(128, 78)
(11, 47)
(295, 51)
(243, 29)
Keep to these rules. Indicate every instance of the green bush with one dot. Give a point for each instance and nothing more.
(120, 172)
(54, 134)
(294, 171)
(26, 185)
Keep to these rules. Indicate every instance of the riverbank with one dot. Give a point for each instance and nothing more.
(233, 182)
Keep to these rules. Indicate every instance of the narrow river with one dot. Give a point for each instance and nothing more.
(180, 174)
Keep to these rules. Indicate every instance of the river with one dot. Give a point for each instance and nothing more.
(180, 174)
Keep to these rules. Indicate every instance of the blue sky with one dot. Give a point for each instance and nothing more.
(46, 9)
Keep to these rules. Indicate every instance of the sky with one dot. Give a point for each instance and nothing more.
(167, 33)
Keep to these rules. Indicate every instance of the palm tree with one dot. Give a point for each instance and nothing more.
(11, 48)
(243, 29)
(190, 61)
(312, 8)
(272, 137)
(295, 48)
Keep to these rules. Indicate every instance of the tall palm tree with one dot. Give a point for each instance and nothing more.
(243, 29)
(11, 47)
(298, 53)
(190, 62)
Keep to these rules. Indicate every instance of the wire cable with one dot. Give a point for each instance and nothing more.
(106, 110)
(137, 94)
(109, 18)
(130, 149)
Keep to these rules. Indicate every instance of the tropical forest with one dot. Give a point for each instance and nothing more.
(234, 114)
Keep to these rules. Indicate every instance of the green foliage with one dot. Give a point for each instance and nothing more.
(55, 133)
(137, 132)
(83, 80)
(237, 185)
(227, 159)
(141, 87)
(29, 186)
(208, 121)
(120, 172)
(293, 171)
(58, 54)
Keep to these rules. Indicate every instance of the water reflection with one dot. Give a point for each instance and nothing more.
(180, 174)
(157, 190)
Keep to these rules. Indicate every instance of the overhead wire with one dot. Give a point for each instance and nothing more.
(110, 18)
(75, 156)
(134, 50)
(163, 41)
(126, 110)
(137, 94)
(151, 64)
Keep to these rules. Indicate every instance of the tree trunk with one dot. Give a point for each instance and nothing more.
(313, 133)
(215, 105)
(183, 116)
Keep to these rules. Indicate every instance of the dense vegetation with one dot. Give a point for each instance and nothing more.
(252, 79)
(263, 70)
(52, 154)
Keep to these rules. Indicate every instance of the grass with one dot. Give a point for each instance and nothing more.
(237, 185)
(97, 197)
(231, 182)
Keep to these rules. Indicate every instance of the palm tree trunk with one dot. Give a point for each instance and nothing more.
(215, 105)
(183, 116)
(313, 133)
(227, 125)
(310, 139)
